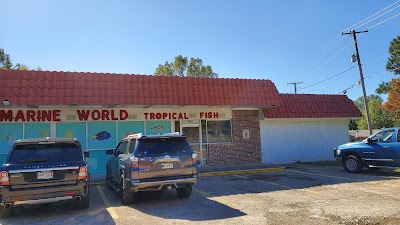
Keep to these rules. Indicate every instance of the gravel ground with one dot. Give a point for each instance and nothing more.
(302, 194)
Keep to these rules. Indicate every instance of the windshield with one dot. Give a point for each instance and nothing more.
(56, 152)
(163, 146)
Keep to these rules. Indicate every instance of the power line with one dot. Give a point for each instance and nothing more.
(376, 18)
(341, 50)
(332, 44)
(383, 21)
(369, 77)
(329, 48)
(327, 78)
(351, 27)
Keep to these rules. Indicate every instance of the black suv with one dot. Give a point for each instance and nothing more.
(152, 162)
(44, 170)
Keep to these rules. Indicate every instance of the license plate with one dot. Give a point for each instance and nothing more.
(167, 166)
(45, 175)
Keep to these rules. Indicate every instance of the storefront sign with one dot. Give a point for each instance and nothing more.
(71, 114)
(29, 115)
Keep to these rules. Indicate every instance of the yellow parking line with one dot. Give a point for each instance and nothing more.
(235, 172)
(281, 185)
(217, 199)
(323, 175)
(109, 208)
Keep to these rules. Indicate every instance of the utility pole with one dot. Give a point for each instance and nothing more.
(295, 86)
(353, 32)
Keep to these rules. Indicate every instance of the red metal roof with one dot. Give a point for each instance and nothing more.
(66, 88)
(314, 106)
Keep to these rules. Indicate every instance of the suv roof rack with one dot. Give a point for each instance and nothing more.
(138, 135)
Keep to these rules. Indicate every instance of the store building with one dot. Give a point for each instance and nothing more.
(306, 127)
(220, 117)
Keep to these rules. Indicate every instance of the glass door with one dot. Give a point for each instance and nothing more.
(193, 136)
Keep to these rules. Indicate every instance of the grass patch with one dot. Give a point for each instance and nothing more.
(321, 163)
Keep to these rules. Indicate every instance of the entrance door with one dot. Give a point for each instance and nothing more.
(193, 136)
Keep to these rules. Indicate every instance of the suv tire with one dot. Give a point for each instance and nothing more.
(126, 192)
(84, 203)
(6, 213)
(352, 164)
(184, 192)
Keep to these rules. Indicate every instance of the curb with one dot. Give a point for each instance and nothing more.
(237, 172)
(226, 173)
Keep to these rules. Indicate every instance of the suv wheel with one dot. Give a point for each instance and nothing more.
(184, 192)
(83, 203)
(6, 213)
(352, 164)
(108, 179)
(126, 192)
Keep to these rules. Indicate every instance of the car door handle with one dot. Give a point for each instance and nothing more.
(386, 146)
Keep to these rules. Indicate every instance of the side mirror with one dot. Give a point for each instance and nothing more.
(110, 152)
(86, 154)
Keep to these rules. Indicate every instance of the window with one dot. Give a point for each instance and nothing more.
(383, 137)
(121, 148)
(219, 131)
(398, 136)
(177, 126)
(132, 145)
(58, 152)
(163, 146)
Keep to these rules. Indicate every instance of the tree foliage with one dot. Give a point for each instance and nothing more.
(6, 64)
(392, 106)
(5, 60)
(393, 63)
(182, 67)
(359, 102)
(383, 88)
(379, 117)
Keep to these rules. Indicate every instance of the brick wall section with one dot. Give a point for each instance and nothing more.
(241, 150)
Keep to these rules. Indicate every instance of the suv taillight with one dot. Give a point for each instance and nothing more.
(194, 158)
(83, 174)
(4, 178)
(134, 162)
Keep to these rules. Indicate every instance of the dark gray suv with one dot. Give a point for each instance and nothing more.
(151, 162)
(43, 170)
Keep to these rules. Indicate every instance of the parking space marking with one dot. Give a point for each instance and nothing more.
(323, 175)
(281, 185)
(217, 199)
(109, 208)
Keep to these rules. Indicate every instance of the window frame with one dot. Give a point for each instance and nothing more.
(230, 133)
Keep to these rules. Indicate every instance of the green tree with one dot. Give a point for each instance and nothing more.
(393, 63)
(353, 125)
(379, 117)
(6, 64)
(5, 61)
(182, 67)
(359, 102)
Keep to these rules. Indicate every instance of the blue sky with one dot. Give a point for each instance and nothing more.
(281, 40)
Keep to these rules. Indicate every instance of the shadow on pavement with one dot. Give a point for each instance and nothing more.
(167, 205)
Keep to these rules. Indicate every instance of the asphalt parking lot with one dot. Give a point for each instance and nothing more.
(301, 194)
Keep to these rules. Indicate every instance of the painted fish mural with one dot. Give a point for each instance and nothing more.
(68, 134)
(6, 137)
(158, 128)
(45, 133)
(102, 135)
(127, 134)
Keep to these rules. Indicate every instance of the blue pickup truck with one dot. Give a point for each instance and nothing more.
(380, 150)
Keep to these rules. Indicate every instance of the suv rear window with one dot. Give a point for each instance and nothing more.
(163, 146)
(55, 152)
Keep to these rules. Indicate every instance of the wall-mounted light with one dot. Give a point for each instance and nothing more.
(6, 102)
